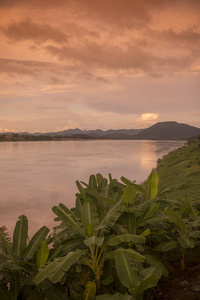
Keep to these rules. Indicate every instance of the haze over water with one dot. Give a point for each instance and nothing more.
(35, 176)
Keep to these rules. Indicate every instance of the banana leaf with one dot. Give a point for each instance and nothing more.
(129, 194)
(153, 261)
(126, 270)
(125, 238)
(94, 240)
(55, 270)
(192, 212)
(67, 217)
(6, 245)
(153, 185)
(186, 242)
(35, 242)
(20, 236)
(110, 218)
(150, 277)
(89, 214)
(166, 246)
(42, 254)
(176, 219)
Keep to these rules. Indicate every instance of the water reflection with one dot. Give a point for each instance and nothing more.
(37, 175)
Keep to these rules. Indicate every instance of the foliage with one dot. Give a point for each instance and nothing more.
(20, 261)
(109, 221)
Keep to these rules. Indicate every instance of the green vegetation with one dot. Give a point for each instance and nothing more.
(116, 243)
(14, 137)
(179, 173)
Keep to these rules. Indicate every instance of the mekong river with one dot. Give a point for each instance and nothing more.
(35, 176)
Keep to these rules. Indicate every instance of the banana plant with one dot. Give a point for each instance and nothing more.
(92, 232)
(94, 237)
(142, 214)
(20, 261)
(186, 229)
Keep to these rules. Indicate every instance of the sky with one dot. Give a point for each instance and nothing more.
(98, 64)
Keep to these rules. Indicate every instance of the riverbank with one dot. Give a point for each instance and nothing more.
(179, 173)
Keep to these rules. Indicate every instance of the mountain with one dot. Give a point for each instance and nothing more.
(119, 133)
(168, 131)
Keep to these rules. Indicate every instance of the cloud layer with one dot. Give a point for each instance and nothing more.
(98, 64)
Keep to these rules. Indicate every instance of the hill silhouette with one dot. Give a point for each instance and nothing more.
(170, 130)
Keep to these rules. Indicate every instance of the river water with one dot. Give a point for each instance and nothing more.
(35, 176)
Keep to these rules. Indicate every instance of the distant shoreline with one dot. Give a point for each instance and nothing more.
(89, 139)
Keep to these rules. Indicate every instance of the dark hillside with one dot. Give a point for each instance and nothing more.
(169, 130)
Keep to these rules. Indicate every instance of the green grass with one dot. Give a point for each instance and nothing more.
(179, 172)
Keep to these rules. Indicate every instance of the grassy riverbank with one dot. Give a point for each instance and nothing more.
(179, 173)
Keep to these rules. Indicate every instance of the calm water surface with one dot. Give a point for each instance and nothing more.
(35, 176)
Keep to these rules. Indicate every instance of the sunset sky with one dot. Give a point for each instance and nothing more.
(93, 64)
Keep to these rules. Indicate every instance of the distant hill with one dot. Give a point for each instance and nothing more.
(118, 133)
(168, 131)
(159, 131)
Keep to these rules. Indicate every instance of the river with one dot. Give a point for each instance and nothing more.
(35, 176)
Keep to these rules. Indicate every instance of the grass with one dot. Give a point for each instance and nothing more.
(180, 170)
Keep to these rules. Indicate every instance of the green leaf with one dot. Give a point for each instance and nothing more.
(88, 229)
(145, 233)
(126, 181)
(99, 179)
(81, 189)
(153, 185)
(153, 260)
(150, 278)
(57, 268)
(90, 290)
(149, 212)
(94, 240)
(194, 234)
(126, 270)
(6, 245)
(166, 246)
(140, 189)
(35, 242)
(92, 181)
(110, 218)
(67, 217)
(132, 254)
(192, 212)
(125, 238)
(42, 254)
(186, 242)
(20, 235)
(89, 214)
(129, 194)
(176, 219)
(130, 221)
(79, 205)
